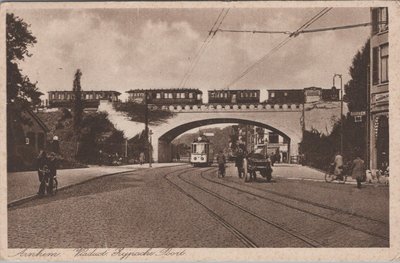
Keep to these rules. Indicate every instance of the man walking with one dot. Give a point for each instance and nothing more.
(358, 170)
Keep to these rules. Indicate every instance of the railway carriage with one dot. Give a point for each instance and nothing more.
(233, 96)
(202, 152)
(166, 96)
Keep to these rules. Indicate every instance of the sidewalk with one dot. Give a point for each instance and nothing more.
(299, 172)
(24, 185)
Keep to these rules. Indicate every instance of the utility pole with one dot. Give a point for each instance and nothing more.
(341, 109)
(126, 148)
(146, 127)
(367, 120)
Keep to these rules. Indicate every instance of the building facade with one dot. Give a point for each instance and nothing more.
(379, 89)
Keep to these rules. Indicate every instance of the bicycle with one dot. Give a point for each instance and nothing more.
(330, 174)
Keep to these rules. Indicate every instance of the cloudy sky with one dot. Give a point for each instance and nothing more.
(122, 49)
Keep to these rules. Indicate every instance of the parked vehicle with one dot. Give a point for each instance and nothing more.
(258, 162)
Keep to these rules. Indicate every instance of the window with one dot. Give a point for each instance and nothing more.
(190, 95)
(31, 139)
(375, 65)
(357, 118)
(379, 19)
(383, 19)
(272, 95)
(285, 94)
(158, 95)
(384, 63)
(182, 95)
(178, 95)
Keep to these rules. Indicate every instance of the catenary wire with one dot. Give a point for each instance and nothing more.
(280, 45)
(204, 45)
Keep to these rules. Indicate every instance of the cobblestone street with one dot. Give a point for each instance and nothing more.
(190, 207)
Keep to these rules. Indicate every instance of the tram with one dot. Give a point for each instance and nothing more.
(202, 153)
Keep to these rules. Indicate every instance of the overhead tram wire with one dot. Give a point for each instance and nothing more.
(212, 33)
(281, 44)
(301, 32)
(203, 47)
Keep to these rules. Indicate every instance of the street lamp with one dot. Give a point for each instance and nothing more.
(150, 149)
(146, 120)
(341, 108)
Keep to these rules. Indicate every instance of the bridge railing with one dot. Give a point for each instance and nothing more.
(229, 107)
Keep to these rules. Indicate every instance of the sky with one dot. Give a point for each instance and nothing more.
(143, 48)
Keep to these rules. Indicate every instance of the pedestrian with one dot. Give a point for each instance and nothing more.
(277, 156)
(358, 170)
(52, 164)
(338, 165)
(221, 160)
(239, 162)
(141, 158)
(100, 157)
(55, 145)
(41, 165)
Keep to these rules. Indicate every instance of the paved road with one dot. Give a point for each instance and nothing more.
(24, 184)
(191, 207)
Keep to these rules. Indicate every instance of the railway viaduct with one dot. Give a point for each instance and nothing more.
(284, 119)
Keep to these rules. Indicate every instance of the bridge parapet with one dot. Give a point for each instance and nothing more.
(229, 107)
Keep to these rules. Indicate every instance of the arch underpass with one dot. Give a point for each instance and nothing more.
(164, 142)
(284, 120)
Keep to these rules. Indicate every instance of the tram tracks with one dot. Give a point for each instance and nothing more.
(314, 214)
(236, 232)
(247, 241)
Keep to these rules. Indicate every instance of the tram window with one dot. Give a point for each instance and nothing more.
(190, 95)
(194, 148)
(200, 148)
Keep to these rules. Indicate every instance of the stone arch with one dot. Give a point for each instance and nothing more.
(163, 153)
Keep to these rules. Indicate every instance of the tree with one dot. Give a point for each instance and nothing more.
(22, 94)
(356, 90)
(136, 112)
(92, 131)
(77, 106)
(356, 87)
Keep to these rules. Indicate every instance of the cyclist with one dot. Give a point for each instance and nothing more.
(221, 163)
(41, 167)
(52, 164)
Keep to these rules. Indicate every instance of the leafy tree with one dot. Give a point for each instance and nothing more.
(356, 87)
(136, 111)
(77, 106)
(357, 97)
(92, 128)
(22, 94)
